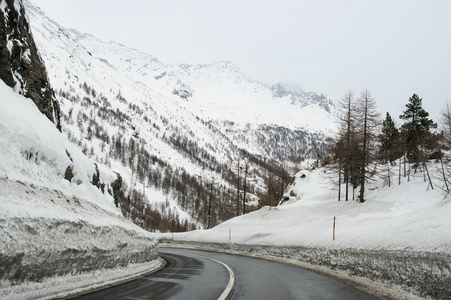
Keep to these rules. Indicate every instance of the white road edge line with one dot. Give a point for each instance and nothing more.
(229, 286)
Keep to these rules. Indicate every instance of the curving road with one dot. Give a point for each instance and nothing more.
(192, 274)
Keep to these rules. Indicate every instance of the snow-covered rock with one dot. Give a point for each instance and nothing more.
(21, 67)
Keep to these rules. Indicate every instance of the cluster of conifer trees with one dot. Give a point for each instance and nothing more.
(367, 145)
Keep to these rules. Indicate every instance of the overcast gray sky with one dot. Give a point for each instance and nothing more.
(394, 48)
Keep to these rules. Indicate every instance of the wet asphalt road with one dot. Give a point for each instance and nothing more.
(190, 274)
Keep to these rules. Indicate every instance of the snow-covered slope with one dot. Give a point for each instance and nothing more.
(409, 216)
(34, 151)
(21, 67)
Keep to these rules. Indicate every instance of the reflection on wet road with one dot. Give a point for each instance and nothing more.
(197, 277)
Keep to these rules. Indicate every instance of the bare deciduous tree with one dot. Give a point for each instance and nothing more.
(369, 124)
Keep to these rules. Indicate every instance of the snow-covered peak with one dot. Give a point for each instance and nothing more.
(218, 91)
(118, 54)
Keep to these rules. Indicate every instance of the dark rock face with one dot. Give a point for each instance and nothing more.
(302, 98)
(21, 67)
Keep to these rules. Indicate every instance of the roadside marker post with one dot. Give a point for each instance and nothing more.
(230, 234)
(144, 206)
(334, 230)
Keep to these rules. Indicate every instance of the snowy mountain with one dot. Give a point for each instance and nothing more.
(218, 91)
(222, 95)
(179, 147)
(181, 131)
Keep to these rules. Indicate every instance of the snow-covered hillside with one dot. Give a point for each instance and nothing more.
(179, 130)
(227, 98)
(34, 151)
(409, 216)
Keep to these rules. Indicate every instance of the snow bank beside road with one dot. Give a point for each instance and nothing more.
(69, 285)
(45, 234)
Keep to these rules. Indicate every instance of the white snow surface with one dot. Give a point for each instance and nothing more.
(32, 150)
(410, 217)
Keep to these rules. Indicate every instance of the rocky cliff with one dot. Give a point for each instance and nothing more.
(21, 67)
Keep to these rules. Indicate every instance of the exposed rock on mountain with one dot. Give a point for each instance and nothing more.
(302, 98)
(21, 66)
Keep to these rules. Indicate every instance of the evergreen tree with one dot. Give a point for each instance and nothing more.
(389, 140)
(116, 186)
(417, 129)
(389, 143)
(96, 177)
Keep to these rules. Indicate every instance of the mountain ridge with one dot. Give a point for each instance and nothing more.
(220, 83)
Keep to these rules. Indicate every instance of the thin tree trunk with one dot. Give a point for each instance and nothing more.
(339, 179)
(429, 177)
(209, 205)
(388, 170)
(364, 154)
(348, 145)
(346, 177)
(405, 175)
(408, 174)
(238, 192)
(424, 173)
(347, 189)
(245, 187)
(444, 176)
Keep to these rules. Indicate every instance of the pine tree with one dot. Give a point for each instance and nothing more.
(389, 143)
(417, 129)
